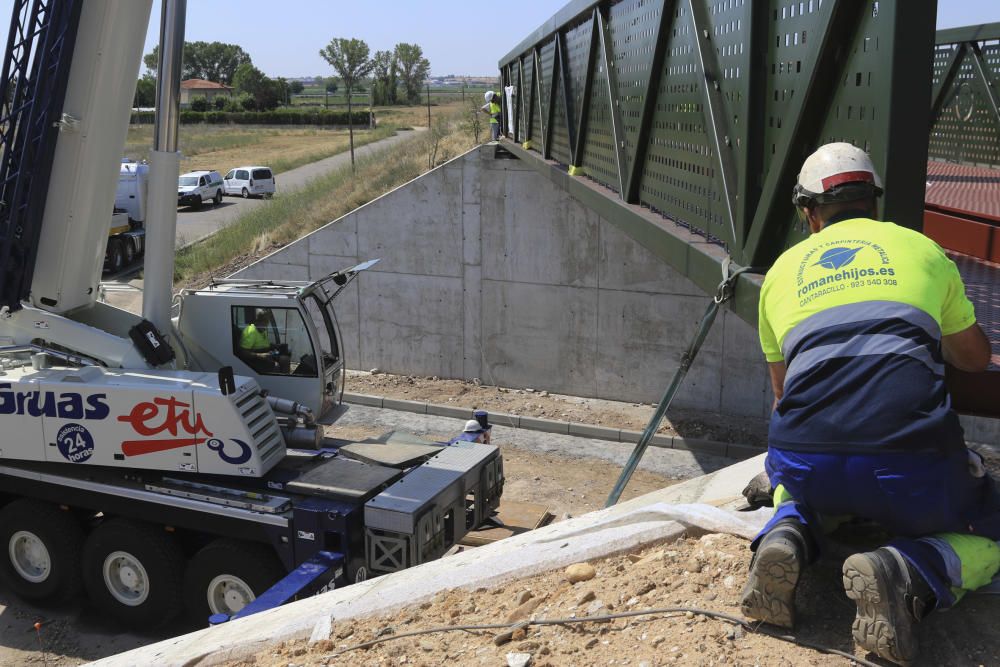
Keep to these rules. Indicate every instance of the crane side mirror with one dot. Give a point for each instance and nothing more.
(227, 385)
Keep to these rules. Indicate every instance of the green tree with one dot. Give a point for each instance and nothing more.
(295, 87)
(266, 93)
(199, 103)
(385, 78)
(331, 85)
(413, 70)
(145, 92)
(349, 57)
(213, 61)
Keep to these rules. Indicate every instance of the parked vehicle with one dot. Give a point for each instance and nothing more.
(127, 236)
(197, 187)
(250, 181)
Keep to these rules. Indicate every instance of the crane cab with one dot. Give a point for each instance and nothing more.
(283, 333)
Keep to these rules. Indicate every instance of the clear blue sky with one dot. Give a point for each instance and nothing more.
(458, 36)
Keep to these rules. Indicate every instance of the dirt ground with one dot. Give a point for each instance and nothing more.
(537, 403)
(704, 572)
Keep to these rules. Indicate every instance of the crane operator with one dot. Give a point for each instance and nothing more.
(255, 347)
(857, 323)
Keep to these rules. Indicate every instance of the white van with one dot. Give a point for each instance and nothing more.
(247, 181)
(196, 187)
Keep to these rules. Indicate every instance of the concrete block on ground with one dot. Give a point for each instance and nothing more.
(407, 406)
(660, 440)
(590, 431)
(363, 399)
(547, 425)
(449, 411)
(629, 436)
(699, 445)
(742, 452)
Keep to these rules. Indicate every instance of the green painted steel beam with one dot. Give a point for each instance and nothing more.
(972, 33)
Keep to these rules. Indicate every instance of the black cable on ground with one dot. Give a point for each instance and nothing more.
(736, 620)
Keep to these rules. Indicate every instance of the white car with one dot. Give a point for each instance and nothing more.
(247, 181)
(196, 187)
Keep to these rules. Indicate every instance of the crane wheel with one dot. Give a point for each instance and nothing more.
(129, 252)
(114, 258)
(226, 575)
(40, 548)
(133, 572)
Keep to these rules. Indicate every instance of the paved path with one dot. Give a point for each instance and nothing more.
(195, 224)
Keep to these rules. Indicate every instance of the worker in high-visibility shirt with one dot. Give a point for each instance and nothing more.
(492, 109)
(857, 323)
(255, 347)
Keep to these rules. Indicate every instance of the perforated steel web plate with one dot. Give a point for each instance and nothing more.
(966, 128)
(694, 108)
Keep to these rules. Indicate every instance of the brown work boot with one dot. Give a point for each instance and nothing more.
(891, 597)
(769, 594)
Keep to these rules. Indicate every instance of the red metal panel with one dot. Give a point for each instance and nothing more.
(959, 234)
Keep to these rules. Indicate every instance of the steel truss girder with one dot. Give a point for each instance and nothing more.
(710, 145)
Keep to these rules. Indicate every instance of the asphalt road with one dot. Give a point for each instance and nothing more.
(195, 224)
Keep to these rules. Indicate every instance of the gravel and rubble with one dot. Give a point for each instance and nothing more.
(704, 572)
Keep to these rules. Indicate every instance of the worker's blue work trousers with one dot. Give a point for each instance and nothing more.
(938, 512)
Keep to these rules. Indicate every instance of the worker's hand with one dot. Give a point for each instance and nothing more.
(976, 467)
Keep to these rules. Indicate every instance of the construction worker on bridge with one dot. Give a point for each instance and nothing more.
(492, 108)
(857, 323)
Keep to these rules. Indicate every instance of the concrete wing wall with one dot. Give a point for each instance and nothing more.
(490, 272)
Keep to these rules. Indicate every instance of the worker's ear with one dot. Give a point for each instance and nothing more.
(812, 216)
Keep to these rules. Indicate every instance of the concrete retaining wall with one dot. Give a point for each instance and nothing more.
(490, 271)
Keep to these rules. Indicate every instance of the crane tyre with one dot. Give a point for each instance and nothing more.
(129, 252)
(133, 572)
(40, 547)
(115, 257)
(225, 576)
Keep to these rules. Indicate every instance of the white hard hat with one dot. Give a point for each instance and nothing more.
(834, 173)
(473, 426)
(489, 95)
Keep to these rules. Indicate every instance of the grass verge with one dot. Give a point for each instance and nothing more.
(288, 217)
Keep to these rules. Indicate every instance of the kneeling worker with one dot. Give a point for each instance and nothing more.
(476, 430)
(857, 323)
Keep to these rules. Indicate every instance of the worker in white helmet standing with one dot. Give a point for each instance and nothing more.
(492, 109)
(857, 323)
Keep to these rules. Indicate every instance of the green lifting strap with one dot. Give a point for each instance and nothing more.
(723, 294)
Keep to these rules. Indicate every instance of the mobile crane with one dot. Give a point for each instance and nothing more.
(162, 480)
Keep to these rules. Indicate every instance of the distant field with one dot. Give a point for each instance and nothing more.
(222, 147)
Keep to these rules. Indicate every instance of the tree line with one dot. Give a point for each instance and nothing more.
(227, 64)
(397, 75)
